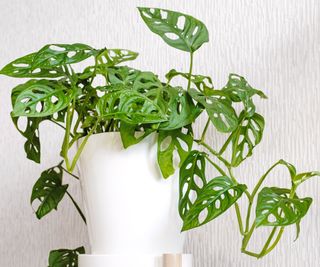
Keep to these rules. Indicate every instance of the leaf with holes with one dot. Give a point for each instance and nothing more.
(168, 143)
(244, 139)
(220, 111)
(276, 207)
(212, 200)
(302, 177)
(112, 57)
(122, 75)
(192, 179)
(178, 30)
(41, 98)
(129, 106)
(239, 90)
(132, 134)
(65, 257)
(49, 190)
(146, 82)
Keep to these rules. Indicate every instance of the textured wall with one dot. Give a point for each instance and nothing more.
(275, 44)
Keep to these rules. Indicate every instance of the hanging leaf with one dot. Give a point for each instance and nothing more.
(192, 179)
(132, 134)
(275, 207)
(302, 177)
(239, 90)
(129, 106)
(178, 30)
(40, 98)
(65, 257)
(212, 200)
(112, 57)
(168, 143)
(49, 190)
(220, 111)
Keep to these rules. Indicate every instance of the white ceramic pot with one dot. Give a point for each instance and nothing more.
(130, 208)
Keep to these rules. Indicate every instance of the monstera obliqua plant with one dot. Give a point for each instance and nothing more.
(130, 101)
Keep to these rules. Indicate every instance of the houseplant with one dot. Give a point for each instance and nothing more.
(133, 101)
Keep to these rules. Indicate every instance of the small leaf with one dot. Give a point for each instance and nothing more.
(178, 30)
(128, 134)
(49, 190)
(112, 57)
(65, 257)
(145, 82)
(212, 200)
(275, 207)
(40, 98)
(302, 177)
(168, 143)
(122, 75)
(192, 179)
(220, 111)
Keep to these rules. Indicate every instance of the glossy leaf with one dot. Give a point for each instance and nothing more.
(112, 57)
(212, 200)
(168, 143)
(220, 111)
(191, 180)
(275, 207)
(132, 134)
(49, 190)
(65, 257)
(40, 98)
(122, 75)
(129, 106)
(302, 177)
(178, 30)
(145, 82)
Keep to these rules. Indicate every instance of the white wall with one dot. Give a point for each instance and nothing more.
(275, 44)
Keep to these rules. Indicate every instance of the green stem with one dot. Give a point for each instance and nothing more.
(73, 175)
(266, 245)
(190, 71)
(276, 241)
(203, 136)
(77, 207)
(217, 167)
(239, 218)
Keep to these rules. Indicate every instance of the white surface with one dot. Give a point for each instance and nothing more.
(130, 208)
(275, 44)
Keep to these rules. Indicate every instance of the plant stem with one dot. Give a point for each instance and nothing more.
(61, 126)
(276, 241)
(239, 218)
(190, 71)
(216, 166)
(203, 136)
(266, 245)
(73, 175)
(77, 207)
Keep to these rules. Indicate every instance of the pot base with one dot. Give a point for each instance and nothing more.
(144, 260)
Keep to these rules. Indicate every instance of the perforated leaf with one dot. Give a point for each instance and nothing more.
(48, 190)
(302, 177)
(178, 30)
(212, 200)
(168, 143)
(132, 134)
(192, 179)
(275, 207)
(220, 111)
(122, 75)
(40, 98)
(129, 106)
(112, 57)
(65, 257)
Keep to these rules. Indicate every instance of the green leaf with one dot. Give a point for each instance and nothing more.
(239, 90)
(168, 143)
(65, 257)
(122, 75)
(145, 82)
(302, 177)
(40, 98)
(112, 57)
(132, 134)
(178, 30)
(246, 137)
(275, 207)
(49, 190)
(192, 179)
(220, 111)
(214, 198)
(129, 106)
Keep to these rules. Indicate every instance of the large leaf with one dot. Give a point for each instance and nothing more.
(40, 98)
(65, 257)
(168, 143)
(239, 90)
(49, 190)
(275, 207)
(129, 106)
(220, 111)
(192, 179)
(214, 198)
(302, 177)
(178, 30)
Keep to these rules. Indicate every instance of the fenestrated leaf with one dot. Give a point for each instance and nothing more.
(145, 82)
(212, 200)
(192, 179)
(275, 207)
(239, 90)
(49, 190)
(129, 106)
(302, 177)
(112, 57)
(178, 30)
(168, 143)
(244, 139)
(41, 98)
(220, 111)
(122, 75)
(65, 257)
(132, 134)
